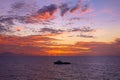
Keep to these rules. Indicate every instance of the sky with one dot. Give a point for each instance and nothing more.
(60, 27)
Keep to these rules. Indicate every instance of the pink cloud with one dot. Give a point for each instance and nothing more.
(86, 11)
(19, 28)
(108, 11)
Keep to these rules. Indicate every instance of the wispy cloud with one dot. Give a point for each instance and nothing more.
(101, 48)
(41, 45)
(45, 13)
(26, 41)
(43, 16)
(85, 36)
(64, 8)
(23, 7)
(83, 29)
(18, 5)
(75, 8)
(51, 31)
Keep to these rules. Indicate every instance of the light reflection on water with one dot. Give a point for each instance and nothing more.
(42, 68)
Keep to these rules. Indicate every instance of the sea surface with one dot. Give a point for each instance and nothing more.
(42, 68)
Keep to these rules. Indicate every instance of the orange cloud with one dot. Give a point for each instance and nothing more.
(40, 17)
(87, 49)
(26, 41)
(101, 48)
(43, 14)
(30, 45)
(41, 45)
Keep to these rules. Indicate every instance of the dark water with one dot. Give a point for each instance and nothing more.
(42, 68)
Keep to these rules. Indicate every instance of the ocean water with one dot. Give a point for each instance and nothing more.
(42, 68)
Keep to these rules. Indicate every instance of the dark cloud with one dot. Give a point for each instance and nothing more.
(18, 5)
(85, 8)
(75, 18)
(2, 28)
(117, 41)
(23, 8)
(84, 32)
(85, 36)
(6, 23)
(8, 20)
(76, 7)
(60, 31)
(50, 9)
(83, 29)
(87, 29)
(80, 6)
(52, 31)
(64, 8)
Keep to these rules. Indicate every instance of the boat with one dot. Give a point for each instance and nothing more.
(60, 62)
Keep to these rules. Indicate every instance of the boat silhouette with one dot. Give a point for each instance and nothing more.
(60, 62)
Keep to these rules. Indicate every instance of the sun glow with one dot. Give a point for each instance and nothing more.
(55, 52)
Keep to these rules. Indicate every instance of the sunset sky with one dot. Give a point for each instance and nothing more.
(60, 27)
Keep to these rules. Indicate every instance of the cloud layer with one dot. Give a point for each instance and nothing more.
(43, 16)
(41, 45)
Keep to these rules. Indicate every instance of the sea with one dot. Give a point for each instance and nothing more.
(43, 68)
